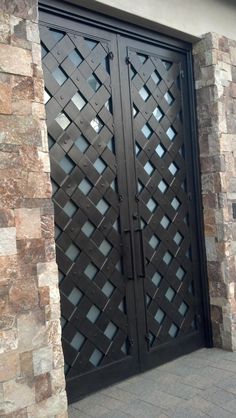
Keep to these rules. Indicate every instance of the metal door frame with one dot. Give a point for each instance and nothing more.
(60, 9)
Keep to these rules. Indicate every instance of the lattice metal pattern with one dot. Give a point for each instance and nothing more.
(162, 195)
(85, 186)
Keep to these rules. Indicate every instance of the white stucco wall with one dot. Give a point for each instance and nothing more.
(191, 17)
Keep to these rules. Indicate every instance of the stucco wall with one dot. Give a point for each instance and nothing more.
(191, 17)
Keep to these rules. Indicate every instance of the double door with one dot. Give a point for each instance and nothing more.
(125, 199)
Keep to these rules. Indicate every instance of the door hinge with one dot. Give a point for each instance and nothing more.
(111, 55)
(182, 73)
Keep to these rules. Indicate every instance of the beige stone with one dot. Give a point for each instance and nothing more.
(9, 366)
(8, 340)
(18, 394)
(28, 223)
(42, 360)
(15, 60)
(47, 274)
(52, 406)
(32, 333)
(7, 241)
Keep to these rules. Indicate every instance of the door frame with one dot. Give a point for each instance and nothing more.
(57, 9)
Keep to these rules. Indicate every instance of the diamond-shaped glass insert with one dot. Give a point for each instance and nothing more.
(178, 238)
(110, 331)
(75, 296)
(147, 132)
(175, 203)
(58, 232)
(99, 165)
(156, 279)
(173, 168)
(78, 101)
(142, 58)
(82, 144)
(77, 341)
(96, 357)
(160, 315)
(91, 43)
(66, 164)
(119, 266)
(56, 34)
(165, 222)
(170, 294)
(151, 205)
(162, 186)
(114, 185)
(108, 105)
(158, 114)
(171, 133)
(156, 77)
(142, 223)
(102, 206)
(167, 64)
(59, 76)
(154, 242)
(75, 57)
(105, 247)
(108, 289)
(62, 120)
(54, 187)
(93, 82)
(63, 322)
(144, 93)
(169, 98)
(121, 306)
(180, 273)
(132, 72)
(70, 208)
(47, 97)
(85, 186)
(91, 271)
(61, 276)
(111, 145)
(93, 314)
(148, 299)
(167, 257)
(173, 331)
(135, 111)
(72, 252)
(124, 348)
(140, 186)
(149, 168)
(160, 150)
(116, 225)
(138, 149)
(96, 124)
(183, 308)
(51, 141)
(88, 229)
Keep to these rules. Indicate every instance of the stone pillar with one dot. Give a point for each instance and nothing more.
(31, 361)
(215, 80)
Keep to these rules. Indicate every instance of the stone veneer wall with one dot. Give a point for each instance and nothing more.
(31, 360)
(215, 81)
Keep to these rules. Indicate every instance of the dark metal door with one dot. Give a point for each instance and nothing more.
(125, 205)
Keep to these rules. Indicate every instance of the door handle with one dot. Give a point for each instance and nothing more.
(128, 254)
(141, 270)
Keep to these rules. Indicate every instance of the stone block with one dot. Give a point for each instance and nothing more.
(20, 130)
(15, 60)
(42, 360)
(43, 387)
(18, 33)
(8, 340)
(5, 94)
(9, 366)
(22, 88)
(55, 405)
(31, 330)
(28, 223)
(27, 9)
(26, 364)
(47, 274)
(7, 241)
(23, 294)
(18, 394)
(4, 28)
(32, 32)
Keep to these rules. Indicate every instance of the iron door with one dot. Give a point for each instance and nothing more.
(125, 199)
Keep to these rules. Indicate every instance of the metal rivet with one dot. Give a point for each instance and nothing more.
(85, 164)
(61, 97)
(99, 145)
(69, 185)
(144, 73)
(77, 78)
(92, 61)
(81, 121)
(58, 53)
(96, 104)
(65, 141)
(88, 206)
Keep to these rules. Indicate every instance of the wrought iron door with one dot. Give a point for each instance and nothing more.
(123, 193)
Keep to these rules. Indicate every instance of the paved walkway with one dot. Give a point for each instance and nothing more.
(199, 385)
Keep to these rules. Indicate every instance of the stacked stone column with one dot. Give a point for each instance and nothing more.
(215, 82)
(31, 362)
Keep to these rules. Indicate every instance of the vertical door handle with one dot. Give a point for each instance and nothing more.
(128, 254)
(140, 254)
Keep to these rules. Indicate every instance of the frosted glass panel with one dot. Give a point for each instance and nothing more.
(108, 289)
(110, 330)
(91, 271)
(78, 100)
(72, 252)
(82, 144)
(96, 357)
(88, 229)
(77, 341)
(85, 187)
(156, 279)
(70, 208)
(160, 315)
(75, 296)
(59, 76)
(93, 314)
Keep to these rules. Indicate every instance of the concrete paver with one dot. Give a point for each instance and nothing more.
(199, 385)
